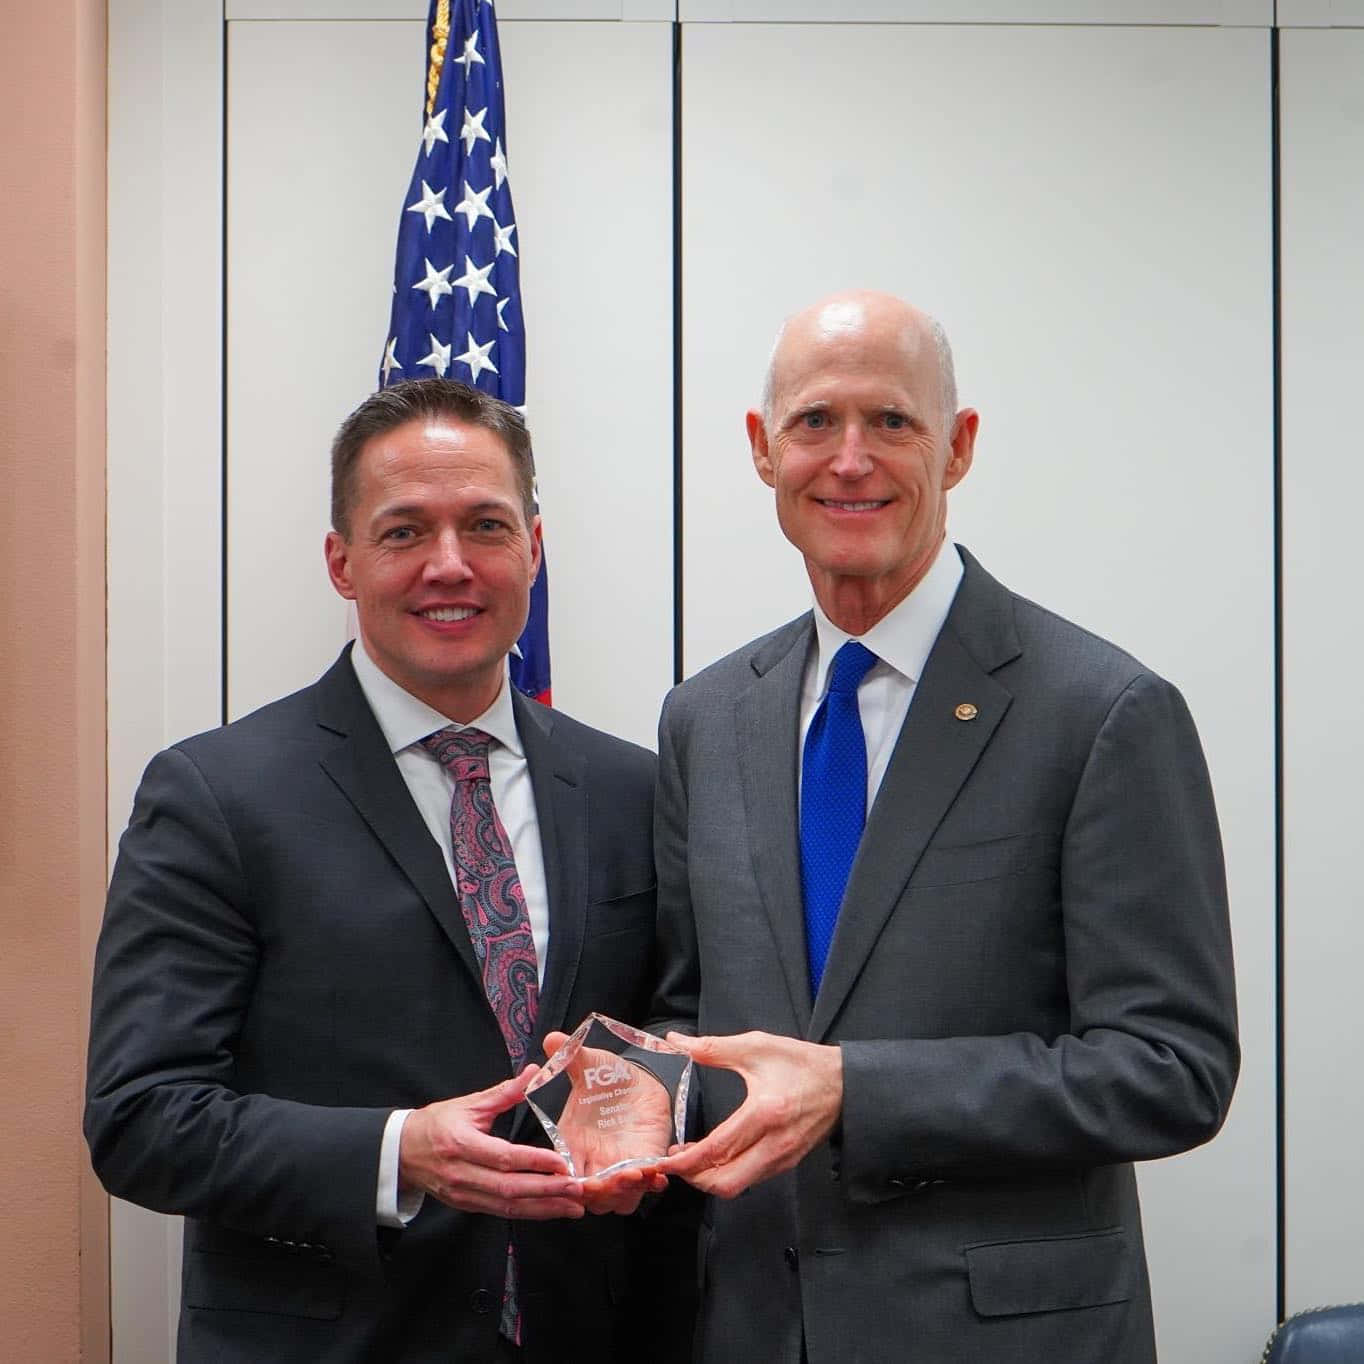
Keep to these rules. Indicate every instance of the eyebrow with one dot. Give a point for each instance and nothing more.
(401, 510)
(800, 409)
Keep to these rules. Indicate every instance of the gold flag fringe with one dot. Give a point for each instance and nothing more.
(440, 35)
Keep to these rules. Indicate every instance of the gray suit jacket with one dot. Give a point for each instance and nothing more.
(1031, 983)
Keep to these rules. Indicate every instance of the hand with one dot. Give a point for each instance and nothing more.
(644, 1128)
(795, 1094)
(447, 1151)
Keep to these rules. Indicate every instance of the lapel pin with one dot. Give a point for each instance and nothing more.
(966, 711)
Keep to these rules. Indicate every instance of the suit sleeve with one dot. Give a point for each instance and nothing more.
(174, 974)
(1148, 1064)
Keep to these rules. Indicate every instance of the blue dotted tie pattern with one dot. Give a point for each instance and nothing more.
(833, 801)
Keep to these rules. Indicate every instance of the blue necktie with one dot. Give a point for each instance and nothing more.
(833, 801)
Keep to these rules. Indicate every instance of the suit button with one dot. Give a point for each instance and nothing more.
(792, 1257)
(482, 1301)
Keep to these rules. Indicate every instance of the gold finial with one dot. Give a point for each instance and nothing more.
(440, 35)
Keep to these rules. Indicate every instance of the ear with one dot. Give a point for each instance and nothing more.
(338, 564)
(536, 547)
(963, 447)
(757, 441)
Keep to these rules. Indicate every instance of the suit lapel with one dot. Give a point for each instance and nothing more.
(933, 757)
(767, 719)
(561, 811)
(363, 768)
(556, 776)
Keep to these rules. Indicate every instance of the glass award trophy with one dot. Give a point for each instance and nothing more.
(611, 1098)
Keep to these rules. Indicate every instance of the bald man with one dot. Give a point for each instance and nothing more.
(941, 888)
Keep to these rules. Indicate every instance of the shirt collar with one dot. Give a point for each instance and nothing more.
(406, 721)
(905, 635)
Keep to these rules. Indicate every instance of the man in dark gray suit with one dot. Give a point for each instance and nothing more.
(383, 891)
(962, 1021)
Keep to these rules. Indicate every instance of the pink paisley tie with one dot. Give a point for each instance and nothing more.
(494, 908)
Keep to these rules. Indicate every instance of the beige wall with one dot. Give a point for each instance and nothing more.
(53, 1255)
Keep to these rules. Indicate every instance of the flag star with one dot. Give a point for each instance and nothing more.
(502, 237)
(470, 56)
(475, 280)
(501, 321)
(436, 284)
(435, 130)
(439, 359)
(475, 206)
(432, 204)
(498, 161)
(390, 362)
(476, 357)
(473, 129)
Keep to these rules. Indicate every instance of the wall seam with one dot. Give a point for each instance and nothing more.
(1276, 341)
(223, 414)
(678, 561)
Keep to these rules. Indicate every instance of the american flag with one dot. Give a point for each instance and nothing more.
(456, 279)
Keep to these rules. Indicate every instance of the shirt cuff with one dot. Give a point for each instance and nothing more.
(392, 1207)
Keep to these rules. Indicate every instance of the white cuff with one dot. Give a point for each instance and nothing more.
(394, 1208)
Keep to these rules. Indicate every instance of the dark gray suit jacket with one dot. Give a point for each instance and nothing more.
(1031, 983)
(284, 961)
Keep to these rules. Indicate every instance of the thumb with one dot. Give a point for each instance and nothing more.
(709, 1051)
(509, 1093)
(553, 1041)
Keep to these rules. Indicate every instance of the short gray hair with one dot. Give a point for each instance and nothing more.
(415, 399)
(947, 372)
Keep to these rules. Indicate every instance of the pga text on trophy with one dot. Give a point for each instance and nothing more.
(611, 1098)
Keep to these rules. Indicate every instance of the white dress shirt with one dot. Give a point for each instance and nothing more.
(405, 722)
(901, 640)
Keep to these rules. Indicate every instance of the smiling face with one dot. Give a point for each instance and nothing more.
(859, 451)
(438, 559)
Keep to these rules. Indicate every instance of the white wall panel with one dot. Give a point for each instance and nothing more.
(164, 385)
(1321, 13)
(1322, 94)
(1177, 12)
(322, 134)
(1087, 210)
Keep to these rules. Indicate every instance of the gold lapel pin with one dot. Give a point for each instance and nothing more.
(966, 711)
